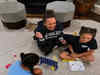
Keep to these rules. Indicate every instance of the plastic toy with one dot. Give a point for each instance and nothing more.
(65, 61)
(50, 62)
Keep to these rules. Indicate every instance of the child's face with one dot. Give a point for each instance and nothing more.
(50, 23)
(86, 37)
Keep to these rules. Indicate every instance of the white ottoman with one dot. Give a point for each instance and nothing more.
(12, 14)
(64, 10)
(97, 9)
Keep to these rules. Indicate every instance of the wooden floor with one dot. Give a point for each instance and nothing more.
(94, 16)
(98, 2)
(35, 15)
(91, 16)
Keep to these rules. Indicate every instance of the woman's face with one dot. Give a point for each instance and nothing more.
(86, 37)
(50, 23)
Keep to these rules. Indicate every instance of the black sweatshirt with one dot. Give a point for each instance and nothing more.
(81, 47)
(57, 33)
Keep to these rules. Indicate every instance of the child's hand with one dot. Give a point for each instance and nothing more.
(74, 55)
(37, 71)
(63, 41)
(39, 35)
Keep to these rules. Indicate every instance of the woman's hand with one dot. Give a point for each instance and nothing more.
(38, 71)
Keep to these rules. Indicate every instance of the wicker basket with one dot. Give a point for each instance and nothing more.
(83, 7)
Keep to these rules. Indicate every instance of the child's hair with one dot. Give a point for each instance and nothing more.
(29, 60)
(88, 30)
(48, 14)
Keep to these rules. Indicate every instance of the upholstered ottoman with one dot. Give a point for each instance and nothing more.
(64, 10)
(12, 14)
(97, 9)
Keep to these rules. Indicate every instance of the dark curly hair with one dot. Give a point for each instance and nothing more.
(48, 14)
(84, 29)
(29, 60)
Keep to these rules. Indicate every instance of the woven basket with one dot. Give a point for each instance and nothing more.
(83, 7)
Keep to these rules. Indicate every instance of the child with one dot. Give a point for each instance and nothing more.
(49, 33)
(25, 66)
(82, 46)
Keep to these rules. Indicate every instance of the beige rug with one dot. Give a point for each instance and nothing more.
(12, 42)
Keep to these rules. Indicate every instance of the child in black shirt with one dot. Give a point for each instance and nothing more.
(82, 46)
(49, 33)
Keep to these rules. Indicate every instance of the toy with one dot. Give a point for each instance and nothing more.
(53, 64)
(7, 66)
(52, 68)
(15, 55)
(75, 33)
(76, 66)
(55, 58)
(65, 61)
